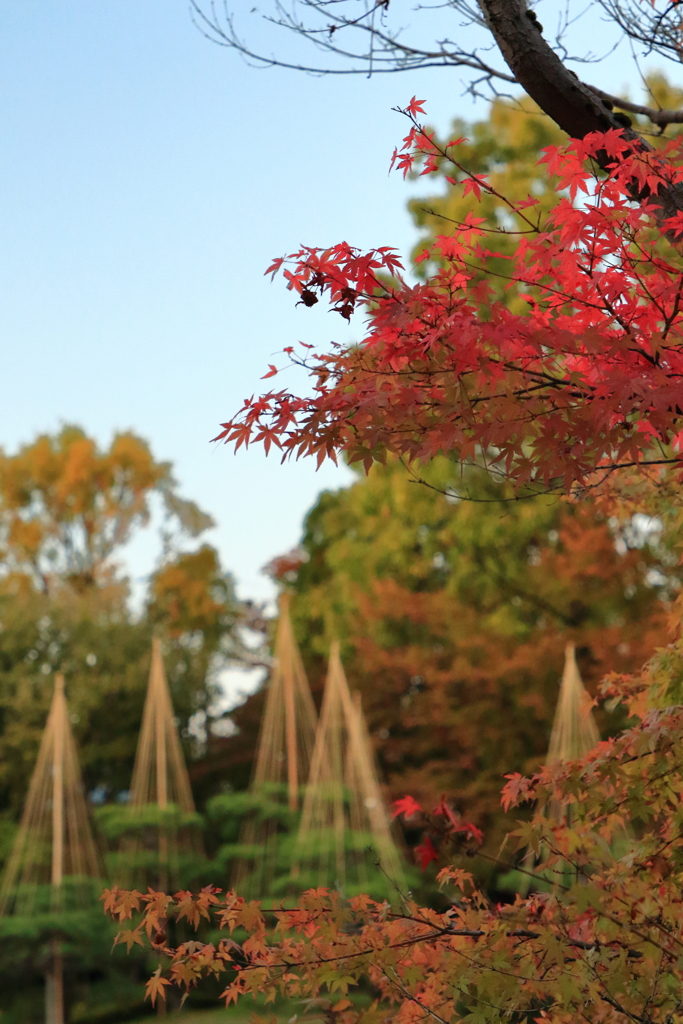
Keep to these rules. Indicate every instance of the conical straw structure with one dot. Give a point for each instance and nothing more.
(160, 796)
(54, 852)
(159, 775)
(574, 734)
(283, 760)
(54, 841)
(344, 812)
(289, 721)
(574, 731)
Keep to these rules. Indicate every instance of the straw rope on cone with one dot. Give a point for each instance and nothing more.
(282, 765)
(53, 864)
(161, 838)
(345, 839)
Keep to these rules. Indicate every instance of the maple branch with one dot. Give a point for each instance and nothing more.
(662, 118)
(413, 999)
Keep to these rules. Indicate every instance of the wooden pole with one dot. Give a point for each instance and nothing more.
(290, 715)
(162, 781)
(157, 684)
(58, 785)
(54, 979)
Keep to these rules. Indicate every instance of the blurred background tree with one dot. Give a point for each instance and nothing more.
(68, 507)
(454, 616)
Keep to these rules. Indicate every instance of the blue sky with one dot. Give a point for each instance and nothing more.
(147, 177)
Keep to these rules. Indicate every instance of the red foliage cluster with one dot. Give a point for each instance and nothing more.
(585, 382)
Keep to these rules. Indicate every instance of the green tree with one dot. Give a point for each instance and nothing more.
(454, 615)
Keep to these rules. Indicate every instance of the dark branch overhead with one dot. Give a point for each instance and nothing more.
(500, 42)
(380, 50)
(656, 27)
(356, 37)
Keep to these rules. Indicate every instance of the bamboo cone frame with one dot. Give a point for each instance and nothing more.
(574, 734)
(574, 730)
(290, 719)
(160, 780)
(283, 757)
(159, 775)
(343, 798)
(54, 841)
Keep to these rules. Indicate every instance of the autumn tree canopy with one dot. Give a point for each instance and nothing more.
(454, 617)
(67, 505)
(576, 386)
(67, 508)
(559, 397)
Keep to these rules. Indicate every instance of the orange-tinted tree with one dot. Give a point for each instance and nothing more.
(455, 615)
(67, 508)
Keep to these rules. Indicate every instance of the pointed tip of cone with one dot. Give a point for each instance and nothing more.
(59, 683)
(574, 731)
(284, 601)
(571, 668)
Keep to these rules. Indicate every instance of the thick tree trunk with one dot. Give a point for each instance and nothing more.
(543, 76)
(541, 73)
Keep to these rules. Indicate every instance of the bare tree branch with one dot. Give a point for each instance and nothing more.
(334, 26)
(662, 118)
(657, 25)
(384, 53)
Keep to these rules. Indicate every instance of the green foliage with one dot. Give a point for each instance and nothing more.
(226, 814)
(454, 615)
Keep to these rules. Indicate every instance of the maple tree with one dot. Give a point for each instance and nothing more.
(561, 396)
(582, 384)
(506, 148)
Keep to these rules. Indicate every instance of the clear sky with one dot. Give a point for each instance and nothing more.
(147, 177)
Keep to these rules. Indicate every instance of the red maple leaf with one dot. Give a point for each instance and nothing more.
(425, 853)
(406, 805)
(456, 823)
(471, 831)
(415, 107)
